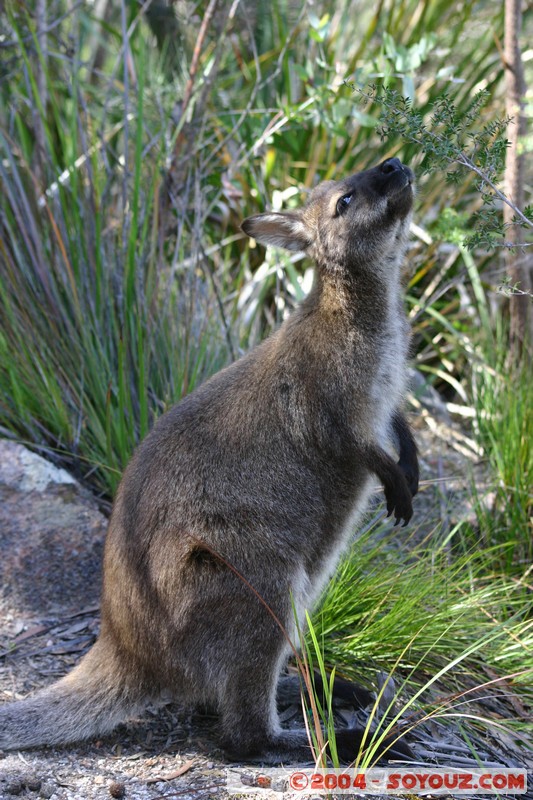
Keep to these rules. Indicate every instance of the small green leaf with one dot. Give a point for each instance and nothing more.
(301, 71)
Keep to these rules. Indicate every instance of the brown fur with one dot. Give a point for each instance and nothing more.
(265, 468)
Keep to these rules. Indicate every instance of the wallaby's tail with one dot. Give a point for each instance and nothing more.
(92, 700)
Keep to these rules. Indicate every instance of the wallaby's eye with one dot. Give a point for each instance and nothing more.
(343, 203)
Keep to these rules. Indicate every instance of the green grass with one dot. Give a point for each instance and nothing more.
(400, 601)
(97, 340)
(502, 392)
(446, 630)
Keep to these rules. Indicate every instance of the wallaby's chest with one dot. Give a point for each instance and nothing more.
(387, 384)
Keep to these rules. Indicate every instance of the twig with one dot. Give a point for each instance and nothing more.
(220, 302)
(259, 85)
(466, 162)
(461, 158)
(187, 94)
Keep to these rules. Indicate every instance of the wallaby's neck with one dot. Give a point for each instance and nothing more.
(366, 301)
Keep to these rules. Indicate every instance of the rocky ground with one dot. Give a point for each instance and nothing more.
(51, 538)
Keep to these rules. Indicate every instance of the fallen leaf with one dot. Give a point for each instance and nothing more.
(173, 775)
(32, 632)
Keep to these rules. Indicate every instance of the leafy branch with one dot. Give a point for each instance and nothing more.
(452, 137)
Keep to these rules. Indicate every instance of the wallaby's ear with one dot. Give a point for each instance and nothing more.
(280, 229)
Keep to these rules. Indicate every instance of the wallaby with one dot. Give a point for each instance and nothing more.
(250, 488)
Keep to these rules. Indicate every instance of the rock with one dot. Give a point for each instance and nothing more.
(51, 537)
(14, 788)
(26, 471)
(33, 783)
(47, 790)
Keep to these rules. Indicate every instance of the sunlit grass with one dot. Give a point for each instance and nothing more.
(447, 631)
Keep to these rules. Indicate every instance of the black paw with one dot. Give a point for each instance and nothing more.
(410, 471)
(398, 496)
(349, 744)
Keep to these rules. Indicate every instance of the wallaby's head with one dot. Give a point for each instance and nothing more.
(357, 223)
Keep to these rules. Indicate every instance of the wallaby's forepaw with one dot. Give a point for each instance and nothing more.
(350, 740)
(398, 496)
(408, 462)
(410, 470)
(397, 491)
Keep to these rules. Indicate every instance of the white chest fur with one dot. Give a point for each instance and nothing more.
(388, 384)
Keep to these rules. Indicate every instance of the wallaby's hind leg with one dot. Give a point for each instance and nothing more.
(251, 728)
(249, 714)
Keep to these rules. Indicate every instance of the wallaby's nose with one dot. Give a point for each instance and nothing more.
(391, 165)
